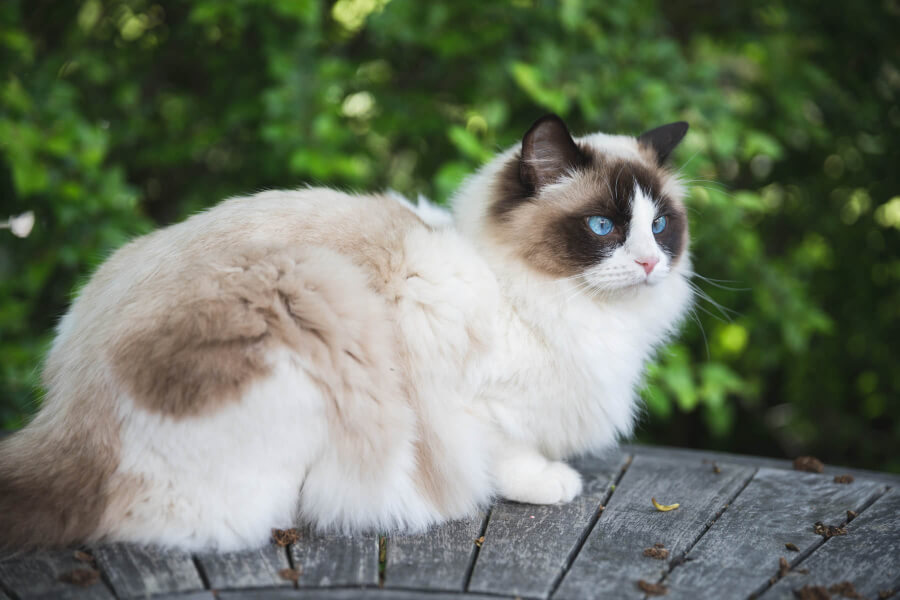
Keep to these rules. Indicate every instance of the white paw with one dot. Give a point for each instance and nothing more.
(556, 482)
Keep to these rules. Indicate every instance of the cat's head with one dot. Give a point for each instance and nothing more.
(603, 208)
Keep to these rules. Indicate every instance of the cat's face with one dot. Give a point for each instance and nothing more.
(602, 208)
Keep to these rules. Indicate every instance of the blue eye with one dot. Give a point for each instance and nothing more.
(600, 225)
(659, 224)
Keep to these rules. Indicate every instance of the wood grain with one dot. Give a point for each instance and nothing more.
(251, 568)
(36, 575)
(612, 560)
(741, 551)
(138, 572)
(351, 594)
(335, 560)
(868, 556)
(438, 559)
(527, 547)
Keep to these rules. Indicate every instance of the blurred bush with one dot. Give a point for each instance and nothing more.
(118, 116)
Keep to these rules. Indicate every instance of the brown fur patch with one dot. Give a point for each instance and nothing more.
(54, 480)
(214, 320)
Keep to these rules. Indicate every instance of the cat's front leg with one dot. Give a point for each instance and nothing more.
(524, 475)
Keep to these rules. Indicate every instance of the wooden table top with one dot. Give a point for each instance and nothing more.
(745, 527)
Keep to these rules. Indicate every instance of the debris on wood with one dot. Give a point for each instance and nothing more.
(846, 590)
(82, 556)
(680, 561)
(652, 589)
(285, 537)
(658, 551)
(479, 541)
(812, 592)
(828, 531)
(792, 547)
(81, 577)
(715, 467)
(664, 507)
(885, 594)
(290, 574)
(784, 567)
(851, 514)
(808, 463)
(843, 478)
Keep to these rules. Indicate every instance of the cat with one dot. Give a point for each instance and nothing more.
(356, 362)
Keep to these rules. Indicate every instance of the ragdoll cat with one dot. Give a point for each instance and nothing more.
(353, 362)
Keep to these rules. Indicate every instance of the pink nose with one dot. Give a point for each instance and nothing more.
(648, 263)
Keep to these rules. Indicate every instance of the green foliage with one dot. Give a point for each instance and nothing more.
(117, 116)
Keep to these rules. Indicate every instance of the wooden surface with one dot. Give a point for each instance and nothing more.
(727, 539)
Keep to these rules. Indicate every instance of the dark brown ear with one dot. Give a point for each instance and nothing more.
(548, 151)
(664, 139)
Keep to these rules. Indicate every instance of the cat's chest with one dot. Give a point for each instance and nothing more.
(567, 383)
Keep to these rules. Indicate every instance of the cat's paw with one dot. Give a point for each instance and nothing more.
(557, 482)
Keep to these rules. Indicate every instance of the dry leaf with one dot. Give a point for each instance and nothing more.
(658, 551)
(843, 478)
(808, 463)
(828, 531)
(479, 541)
(285, 537)
(792, 547)
(664, 507)
(652, 589)
(289, 574)
(82, 577)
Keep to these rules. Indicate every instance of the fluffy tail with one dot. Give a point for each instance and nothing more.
(52, 489)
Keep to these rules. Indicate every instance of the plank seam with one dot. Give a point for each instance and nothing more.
(582, 540)
(382, 560)
(290, 562)
(104, 576)
(681, 559)
(818, 544)
(467, 578)
(5, 588)
(201, 571)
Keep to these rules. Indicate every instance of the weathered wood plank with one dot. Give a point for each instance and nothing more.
(741, 551)
(612, 560)
(868, 556)
(351, 594)
(137, 571)
(251, 568)
(688, 454)
(335, 560)
(36, 575)
(438, 559)
(204, 595)
(527, 547)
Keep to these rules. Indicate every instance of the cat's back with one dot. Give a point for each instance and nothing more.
(194, 309)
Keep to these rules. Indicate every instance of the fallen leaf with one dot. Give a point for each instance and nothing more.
(808, 463)
(653, 589)
(285, 537)
(289, 574)
(82, 577)
(664, 507)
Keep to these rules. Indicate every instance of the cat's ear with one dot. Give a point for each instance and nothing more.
(663, 140)
(548, 151)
